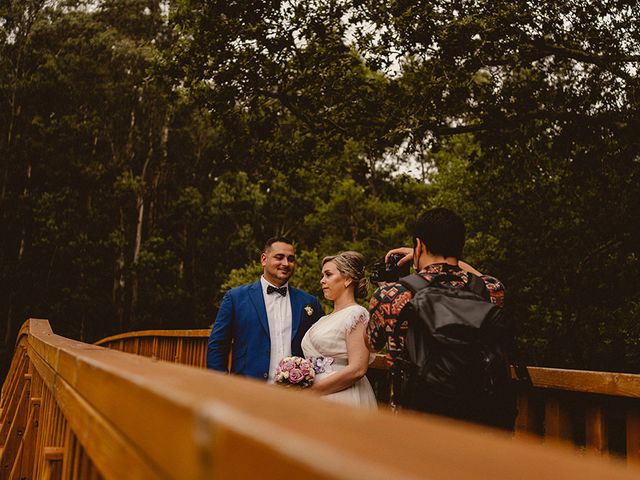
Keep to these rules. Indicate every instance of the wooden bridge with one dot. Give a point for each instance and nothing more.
(139, 409)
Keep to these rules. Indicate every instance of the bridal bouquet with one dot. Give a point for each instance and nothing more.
(296, 372)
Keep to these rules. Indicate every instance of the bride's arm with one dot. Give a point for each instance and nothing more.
(358, 363)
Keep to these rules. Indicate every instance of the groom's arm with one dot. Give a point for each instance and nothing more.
(220, 338)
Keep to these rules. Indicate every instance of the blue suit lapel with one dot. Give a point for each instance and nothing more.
(296, 311)
(255, 294)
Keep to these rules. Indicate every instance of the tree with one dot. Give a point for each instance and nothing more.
(149, 151)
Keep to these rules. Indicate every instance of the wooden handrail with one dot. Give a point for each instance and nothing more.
(84, 411)
(602, 383)
(582, 407)
(195, 333)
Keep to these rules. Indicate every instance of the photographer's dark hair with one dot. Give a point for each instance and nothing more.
(350, 264)
(273, 240)
(442, 231)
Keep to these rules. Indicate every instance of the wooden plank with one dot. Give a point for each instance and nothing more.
(13, 379)
(633, 436)
(10, 452)
(52, 470)
(257, 430)
(12, 403)
(196, 333)
(595, 430)
(17, 383)
(557, 424)
(46, 437)
(604, 383)
(154, 350)
(379, 362)
(614, 384)
(17, 463)
(53, 454)
(525, 421)
(29, 441)
(112, 453)
(70, 452)
(201, 424)
(179, 356)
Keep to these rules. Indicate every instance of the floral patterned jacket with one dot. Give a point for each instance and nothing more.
(386, 303)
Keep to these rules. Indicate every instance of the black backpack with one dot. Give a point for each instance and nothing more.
(455, 360)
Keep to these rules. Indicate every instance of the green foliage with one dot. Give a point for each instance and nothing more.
(248, 273)
(306, 275)
(148, 153)
(353, 218)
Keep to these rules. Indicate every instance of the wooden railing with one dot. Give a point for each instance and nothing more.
(73, 410)
(595, 411)
(187, 347)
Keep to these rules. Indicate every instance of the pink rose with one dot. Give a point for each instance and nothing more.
(286, 365)
(295, 375)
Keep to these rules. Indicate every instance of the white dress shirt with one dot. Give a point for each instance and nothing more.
(279, 318)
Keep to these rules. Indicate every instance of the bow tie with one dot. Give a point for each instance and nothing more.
(282, 290)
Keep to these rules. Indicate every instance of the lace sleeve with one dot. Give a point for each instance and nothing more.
(356, 316)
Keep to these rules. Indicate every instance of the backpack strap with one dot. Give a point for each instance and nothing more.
(417, 282)
(477, 286)
(414, 282)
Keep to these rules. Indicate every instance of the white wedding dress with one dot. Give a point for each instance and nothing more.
(328, 338)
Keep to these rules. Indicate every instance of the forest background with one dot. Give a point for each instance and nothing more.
(148, 148)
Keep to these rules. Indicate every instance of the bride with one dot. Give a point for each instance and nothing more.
(336, 341)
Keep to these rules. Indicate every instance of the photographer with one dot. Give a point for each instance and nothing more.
(438, 240)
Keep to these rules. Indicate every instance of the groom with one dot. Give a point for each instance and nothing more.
(265, 321)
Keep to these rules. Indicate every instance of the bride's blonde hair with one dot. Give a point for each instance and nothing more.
(350, 264)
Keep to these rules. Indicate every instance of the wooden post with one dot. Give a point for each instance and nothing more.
(11, 450)
(525, 421)
(29, 440)
(596, 430)
(32, 430)
(53, 458)
(633, 436)
(556, 421)
(179, 349)
(11, 396)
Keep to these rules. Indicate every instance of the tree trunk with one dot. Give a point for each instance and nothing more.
(21, 33)
(140, 207)
(119, 281)
(11, 322)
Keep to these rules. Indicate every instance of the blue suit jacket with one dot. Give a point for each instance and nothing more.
(242, 320)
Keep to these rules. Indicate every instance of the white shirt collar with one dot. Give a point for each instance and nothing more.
(264, 282)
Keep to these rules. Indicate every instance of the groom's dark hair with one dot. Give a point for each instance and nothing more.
(273, 240)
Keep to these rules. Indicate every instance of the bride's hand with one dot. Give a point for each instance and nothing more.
(406, 251)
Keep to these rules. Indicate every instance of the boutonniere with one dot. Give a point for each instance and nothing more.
(308, 309)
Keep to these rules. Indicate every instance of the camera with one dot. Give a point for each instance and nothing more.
(390, 271)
